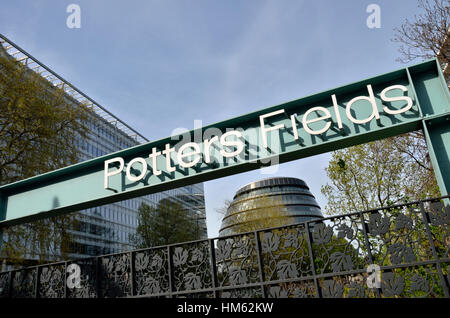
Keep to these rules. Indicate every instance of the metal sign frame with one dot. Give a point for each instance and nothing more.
(394, 103)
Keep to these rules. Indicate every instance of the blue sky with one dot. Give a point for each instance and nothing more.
(160, 65)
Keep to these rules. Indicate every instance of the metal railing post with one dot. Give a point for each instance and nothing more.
(311, 256)
(170, 271)
(426, 222)
(97, 277)
(132, 274)
(65, 280)
(36, 283)
(367, 244)
(260, 264)
(212, 254)
(10, 284)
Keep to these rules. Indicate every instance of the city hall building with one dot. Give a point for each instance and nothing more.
(106, 229)
(270, 202)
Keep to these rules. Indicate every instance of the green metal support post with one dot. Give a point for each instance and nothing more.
(434, 100)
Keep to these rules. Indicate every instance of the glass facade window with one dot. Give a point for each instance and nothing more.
(289, 195)
(106, 229)
(120, 219)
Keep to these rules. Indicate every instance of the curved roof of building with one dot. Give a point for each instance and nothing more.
(291, 195)
(273, 181)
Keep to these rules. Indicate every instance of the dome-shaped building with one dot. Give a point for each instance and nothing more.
(268, 203)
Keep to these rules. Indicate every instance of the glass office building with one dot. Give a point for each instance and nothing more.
(106, 229)
(288, 199)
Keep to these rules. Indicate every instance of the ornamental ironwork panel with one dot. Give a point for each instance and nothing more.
(23, 283)
(397, 251)
(4, 284)
(82, 279)
(191, 266)
(151, 272)
(338, 244)
(237, 260)
(398, 235)
(285, 253)
(299, 289)
(52, 281)
(438, 217)
(115, 275)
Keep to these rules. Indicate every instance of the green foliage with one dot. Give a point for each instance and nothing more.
(427, 35)
(39, 129)
(396, 169)
(166, 223)
(40, 241)
(379, 174)
(39, 125)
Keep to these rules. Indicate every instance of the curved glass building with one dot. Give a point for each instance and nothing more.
(270, 202)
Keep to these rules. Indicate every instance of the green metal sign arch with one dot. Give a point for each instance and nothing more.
(401, 101)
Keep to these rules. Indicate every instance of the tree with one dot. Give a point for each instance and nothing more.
(379, 174)
(40, 127)
(168, 222)
(397, 169)
(427, 36)
(39, 241)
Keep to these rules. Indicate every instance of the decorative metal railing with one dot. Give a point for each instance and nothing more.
(409, 245)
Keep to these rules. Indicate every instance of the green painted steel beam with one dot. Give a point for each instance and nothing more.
(434, 102)
(379, 107)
